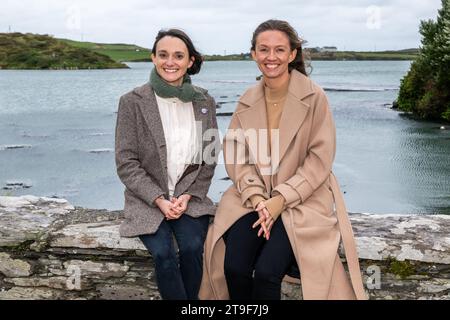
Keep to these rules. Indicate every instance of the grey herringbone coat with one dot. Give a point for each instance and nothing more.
(141, 160)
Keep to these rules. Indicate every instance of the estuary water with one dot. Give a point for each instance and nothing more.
(57, 134)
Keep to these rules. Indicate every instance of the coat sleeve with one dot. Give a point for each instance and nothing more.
(319, 160)
(240, 167)
(128, 165)
(199, 188)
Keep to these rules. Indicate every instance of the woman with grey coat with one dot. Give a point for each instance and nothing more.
(167, 165)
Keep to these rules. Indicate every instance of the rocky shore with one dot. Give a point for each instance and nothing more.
(52, 250)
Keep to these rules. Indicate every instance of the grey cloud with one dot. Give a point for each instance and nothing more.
(223, 25)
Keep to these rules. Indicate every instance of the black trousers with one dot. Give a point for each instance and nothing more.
(255, 267)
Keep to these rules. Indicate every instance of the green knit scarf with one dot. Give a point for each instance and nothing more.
(186, 92)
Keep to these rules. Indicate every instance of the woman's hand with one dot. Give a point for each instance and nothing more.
(167, 208)
(180, 205)
(269, 223)
(265, 220)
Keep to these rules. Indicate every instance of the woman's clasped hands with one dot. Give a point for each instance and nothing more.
(174, 208)
(265, 220)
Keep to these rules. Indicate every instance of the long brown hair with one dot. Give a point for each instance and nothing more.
(294, 41)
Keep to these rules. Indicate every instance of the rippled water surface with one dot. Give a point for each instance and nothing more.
(57, 134)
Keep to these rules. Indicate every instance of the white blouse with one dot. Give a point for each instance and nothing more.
(180, 131)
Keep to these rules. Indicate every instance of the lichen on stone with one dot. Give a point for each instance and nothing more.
(403, 269)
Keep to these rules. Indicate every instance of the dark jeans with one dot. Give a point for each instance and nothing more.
(178, 278)
(255, 267)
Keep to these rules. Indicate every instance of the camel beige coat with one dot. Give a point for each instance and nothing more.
(315, 217)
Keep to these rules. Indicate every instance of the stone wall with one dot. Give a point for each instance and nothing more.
(51, 250)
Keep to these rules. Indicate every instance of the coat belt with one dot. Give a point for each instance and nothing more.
(348, 240)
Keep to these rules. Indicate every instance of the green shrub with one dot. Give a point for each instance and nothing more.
(446, 114)
(425, 90)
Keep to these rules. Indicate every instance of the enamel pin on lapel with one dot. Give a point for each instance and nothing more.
(204, 110)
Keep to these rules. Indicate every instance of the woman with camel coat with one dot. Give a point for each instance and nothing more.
(278, 151)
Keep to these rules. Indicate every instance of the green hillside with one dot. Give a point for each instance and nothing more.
(33, 51)
(118, 52)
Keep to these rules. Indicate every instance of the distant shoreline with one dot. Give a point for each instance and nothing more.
(43, 52)
(337, 56)
(131, 53)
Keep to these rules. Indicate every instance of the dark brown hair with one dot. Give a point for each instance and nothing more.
(196, 66)
(294, 41)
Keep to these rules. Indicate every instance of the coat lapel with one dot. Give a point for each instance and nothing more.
(254, 119)
(201, 114)
(149, 109)
(294, 113)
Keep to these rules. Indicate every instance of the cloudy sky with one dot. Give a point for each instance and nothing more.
(224, 26)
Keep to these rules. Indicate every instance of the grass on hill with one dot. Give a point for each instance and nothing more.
(118, 52)
(33, 51)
